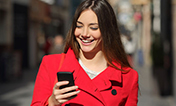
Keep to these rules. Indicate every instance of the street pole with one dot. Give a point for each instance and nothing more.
(174, 47)
(166, 34)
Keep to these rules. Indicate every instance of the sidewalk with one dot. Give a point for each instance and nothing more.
(149, 92)
(18, 93)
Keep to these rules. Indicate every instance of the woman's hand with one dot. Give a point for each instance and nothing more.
(59, 96)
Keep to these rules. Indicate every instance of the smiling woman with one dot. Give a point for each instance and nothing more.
(94, 54)
(87, 32)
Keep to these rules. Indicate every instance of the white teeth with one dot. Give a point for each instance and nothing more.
(86, 41)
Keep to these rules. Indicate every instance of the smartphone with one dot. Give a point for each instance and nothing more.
(66, 76)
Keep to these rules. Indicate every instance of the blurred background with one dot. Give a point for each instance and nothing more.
(30, 29)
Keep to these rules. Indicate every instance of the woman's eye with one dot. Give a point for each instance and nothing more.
(78, 26)
(93, 28)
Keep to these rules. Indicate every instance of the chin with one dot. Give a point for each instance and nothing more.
(86, 49)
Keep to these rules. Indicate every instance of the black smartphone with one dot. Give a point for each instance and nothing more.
(66, 76)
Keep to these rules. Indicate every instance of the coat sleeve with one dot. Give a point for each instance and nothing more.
(133, 96)
(42, 88)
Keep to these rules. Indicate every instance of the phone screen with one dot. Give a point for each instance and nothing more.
(65, 76)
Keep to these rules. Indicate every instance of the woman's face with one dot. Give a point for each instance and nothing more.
(87, 32)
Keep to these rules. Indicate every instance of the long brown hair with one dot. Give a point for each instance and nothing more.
(111, 42)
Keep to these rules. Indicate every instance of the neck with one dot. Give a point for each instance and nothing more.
(94, 61)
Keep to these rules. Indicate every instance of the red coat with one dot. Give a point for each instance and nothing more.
(112, 87)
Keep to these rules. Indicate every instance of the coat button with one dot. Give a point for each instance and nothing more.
(114, 92)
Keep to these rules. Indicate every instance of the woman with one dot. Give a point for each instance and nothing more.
(95, 55)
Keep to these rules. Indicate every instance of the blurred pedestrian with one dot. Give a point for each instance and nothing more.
(48, 45)
(95, 55)
(57, 47)
(129, 47)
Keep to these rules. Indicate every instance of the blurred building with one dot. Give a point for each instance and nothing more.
(163, 46)
(6, 41)
(174, 46)
(154, 31)
(46, 21)
(5, 22)
(25, 26)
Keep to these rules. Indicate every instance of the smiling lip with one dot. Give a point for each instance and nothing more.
(86, 42)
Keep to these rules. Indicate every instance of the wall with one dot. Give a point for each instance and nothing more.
(174, 47)
(22, 2)
(5, 22)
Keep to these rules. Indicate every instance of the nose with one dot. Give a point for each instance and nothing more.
(85, 32)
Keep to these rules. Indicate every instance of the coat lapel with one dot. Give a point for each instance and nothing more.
(87, 85)
(80, 76)
(103, 80)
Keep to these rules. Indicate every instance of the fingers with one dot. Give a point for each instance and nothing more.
(62, 101)
(61, 83)
(65, 97)
(65, 94)
(68, 89)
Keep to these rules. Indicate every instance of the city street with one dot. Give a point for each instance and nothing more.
(29, 29)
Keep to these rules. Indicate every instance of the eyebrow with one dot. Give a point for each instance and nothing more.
(89, 24)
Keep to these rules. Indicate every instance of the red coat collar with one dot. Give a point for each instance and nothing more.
(71, 64)
(102, 81)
